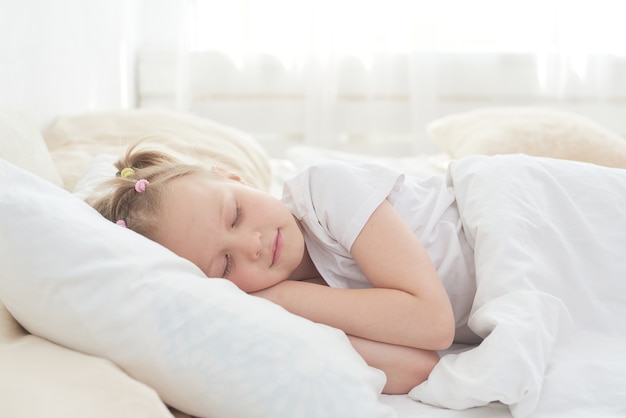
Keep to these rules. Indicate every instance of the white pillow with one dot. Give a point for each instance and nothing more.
(207, 348)
(22, 144)
(99, 170)
(420, 165)
(535, 131)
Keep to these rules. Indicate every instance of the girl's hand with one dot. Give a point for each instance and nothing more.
(273, 293)
(405, 367)
(270, 293)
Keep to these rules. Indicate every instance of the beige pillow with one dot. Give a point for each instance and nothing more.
(528, 130)
(22, 144)
(75, 140)
(42, 379)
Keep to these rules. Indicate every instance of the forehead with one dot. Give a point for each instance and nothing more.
(192, 207)
(193, 187)
(189, 200)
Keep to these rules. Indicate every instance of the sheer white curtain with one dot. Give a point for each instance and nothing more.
(66, 56)
(369, 75)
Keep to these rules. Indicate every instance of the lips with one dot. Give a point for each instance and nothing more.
(277, 247)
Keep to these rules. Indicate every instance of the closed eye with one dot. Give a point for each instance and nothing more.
(237, 216)
(228, 265)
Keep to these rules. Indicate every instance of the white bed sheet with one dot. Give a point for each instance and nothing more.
(406, 407)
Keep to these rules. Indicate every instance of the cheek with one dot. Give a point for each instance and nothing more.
(246, 279)
(251, 280)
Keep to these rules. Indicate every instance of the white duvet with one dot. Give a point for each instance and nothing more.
(550, 248)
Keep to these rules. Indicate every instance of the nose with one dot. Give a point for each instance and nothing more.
(250, 245)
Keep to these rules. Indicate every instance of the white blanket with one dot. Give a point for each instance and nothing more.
(550, 246)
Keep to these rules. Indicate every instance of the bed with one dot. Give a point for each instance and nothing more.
(97, 321)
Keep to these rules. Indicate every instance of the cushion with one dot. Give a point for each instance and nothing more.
(207, 348)
(40, 379)
(98, 171)
(418, 165)
(535, 131)
(74, 140)
(22, 144)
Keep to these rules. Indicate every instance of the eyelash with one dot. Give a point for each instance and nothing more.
(228, 267)
(237, 215)
(229, 261)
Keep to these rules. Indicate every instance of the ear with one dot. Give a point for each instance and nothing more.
(227, 174)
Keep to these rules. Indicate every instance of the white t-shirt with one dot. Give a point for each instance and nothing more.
(334, 200)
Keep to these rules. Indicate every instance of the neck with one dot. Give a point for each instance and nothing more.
(306, 269)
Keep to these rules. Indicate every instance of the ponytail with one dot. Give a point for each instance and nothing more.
(124, 201)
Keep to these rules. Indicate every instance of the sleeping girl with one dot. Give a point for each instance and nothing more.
(377, 254)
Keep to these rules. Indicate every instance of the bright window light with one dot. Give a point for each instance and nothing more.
(289, 28)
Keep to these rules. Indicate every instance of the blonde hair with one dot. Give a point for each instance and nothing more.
(119, 200)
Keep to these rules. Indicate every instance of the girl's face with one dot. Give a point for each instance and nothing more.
(230, 230)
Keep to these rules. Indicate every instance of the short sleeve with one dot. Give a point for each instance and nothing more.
(340, 197)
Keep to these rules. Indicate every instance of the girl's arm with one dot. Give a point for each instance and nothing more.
(407, 305)
(405, 367)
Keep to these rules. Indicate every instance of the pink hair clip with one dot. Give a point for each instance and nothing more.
(121, 223)
(140, 185)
